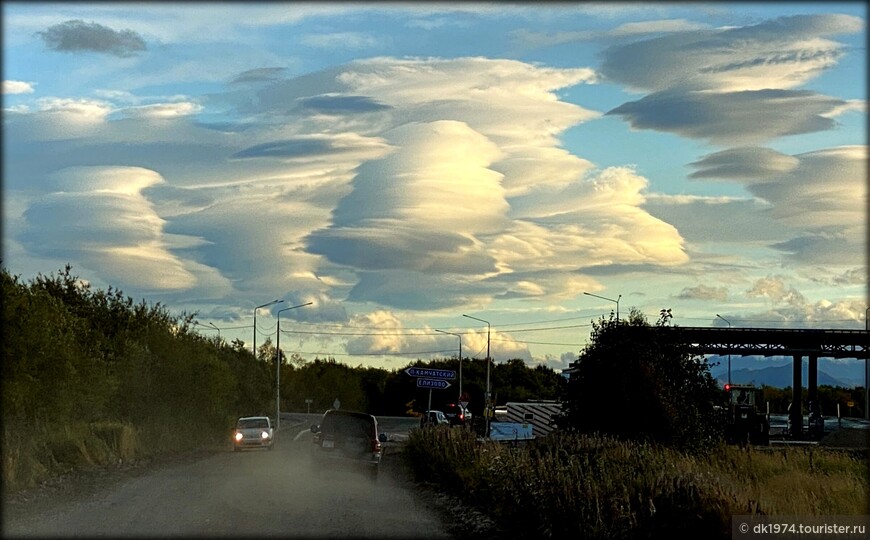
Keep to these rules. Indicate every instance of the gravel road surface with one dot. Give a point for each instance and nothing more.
(251, 493)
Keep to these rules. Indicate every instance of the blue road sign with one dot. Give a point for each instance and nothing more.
(437, 384)
(431, 373)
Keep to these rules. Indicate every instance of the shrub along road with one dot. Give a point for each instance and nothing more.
(249, 493)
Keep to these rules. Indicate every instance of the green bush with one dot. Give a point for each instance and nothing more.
(121, 439)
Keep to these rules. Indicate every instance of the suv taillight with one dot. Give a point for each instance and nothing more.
(376, 446)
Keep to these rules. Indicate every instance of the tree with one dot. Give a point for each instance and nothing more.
(636, 382)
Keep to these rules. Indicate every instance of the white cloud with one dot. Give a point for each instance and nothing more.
(734, 86)
(163, 110)
(345, 40)
(734, 118)
(656, 27)
(828, 188)
(17, 87)
(704, 292)
(787, 304)
(662, 26)
(782, 53)
(744, 162)
(387, 335)
(84, 109)
(590, 223)
(99, 216)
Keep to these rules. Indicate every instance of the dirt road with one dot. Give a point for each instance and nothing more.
(251, 493)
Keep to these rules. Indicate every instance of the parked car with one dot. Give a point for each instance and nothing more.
(348, 439)
(253, 432)
(433, 418)
(457, 415)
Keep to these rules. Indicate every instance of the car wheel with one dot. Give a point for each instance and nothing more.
(373, 474)
(270, 446)
(236, 449)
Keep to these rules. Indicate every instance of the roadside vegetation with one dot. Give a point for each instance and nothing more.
(575, 485)
(90, 378)
(639, 453)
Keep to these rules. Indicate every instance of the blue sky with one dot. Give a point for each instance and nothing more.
(400, 165)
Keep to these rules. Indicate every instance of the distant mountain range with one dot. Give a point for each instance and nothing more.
(777, 372)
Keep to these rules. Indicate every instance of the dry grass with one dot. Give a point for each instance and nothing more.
(585, 486)
(38, 452)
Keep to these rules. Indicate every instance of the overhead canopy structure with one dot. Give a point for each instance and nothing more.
(797, 343)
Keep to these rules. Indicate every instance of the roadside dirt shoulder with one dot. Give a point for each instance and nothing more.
(459, 519)
(80, 485)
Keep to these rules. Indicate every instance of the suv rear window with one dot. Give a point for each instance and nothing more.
(348, 425)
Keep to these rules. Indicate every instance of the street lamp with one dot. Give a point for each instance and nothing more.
(254, 345)
(196, 323)
(486, 406)
(460, 358)
(729, 349)
(608, 299)
(216, 328)
(278, 367)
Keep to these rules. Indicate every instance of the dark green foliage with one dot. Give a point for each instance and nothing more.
(634, 383)
(77, 356)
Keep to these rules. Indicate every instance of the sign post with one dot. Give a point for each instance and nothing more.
(431, 379)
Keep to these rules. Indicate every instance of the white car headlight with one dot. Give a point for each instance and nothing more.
(238, 436)
(264, 435)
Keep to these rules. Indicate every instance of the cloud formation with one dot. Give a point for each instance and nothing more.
(704, 292)
(17, 87)
(733, 86)
(744, 117)
(107, 224)
(782, 53)
(79, 36)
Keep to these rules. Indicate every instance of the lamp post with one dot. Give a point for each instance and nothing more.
(729, 348)
(254, 345)
(216, 328)
(460, 358)
(278, 367)
(195, 323)
(486, 406)
(609, 300)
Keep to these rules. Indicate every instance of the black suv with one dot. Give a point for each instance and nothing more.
(347, 438)
(457, 414)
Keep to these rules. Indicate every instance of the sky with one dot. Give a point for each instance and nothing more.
(412, 170)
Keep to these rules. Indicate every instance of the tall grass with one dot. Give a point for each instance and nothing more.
(597, 487)
(37, 452)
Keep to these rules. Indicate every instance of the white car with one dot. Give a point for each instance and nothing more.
(434, 418)
(253, 432)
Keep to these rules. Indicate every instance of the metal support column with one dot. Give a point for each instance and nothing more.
(816, 425)
(795, 414)
(812, 380)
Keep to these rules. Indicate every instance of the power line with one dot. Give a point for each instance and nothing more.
(368, 354)
(539, 342)
(400, 333)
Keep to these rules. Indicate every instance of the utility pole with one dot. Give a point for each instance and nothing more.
(254, 344)
(729, 348)
(486, 408)
(278, 367)
(609, 300)
(460, 359)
